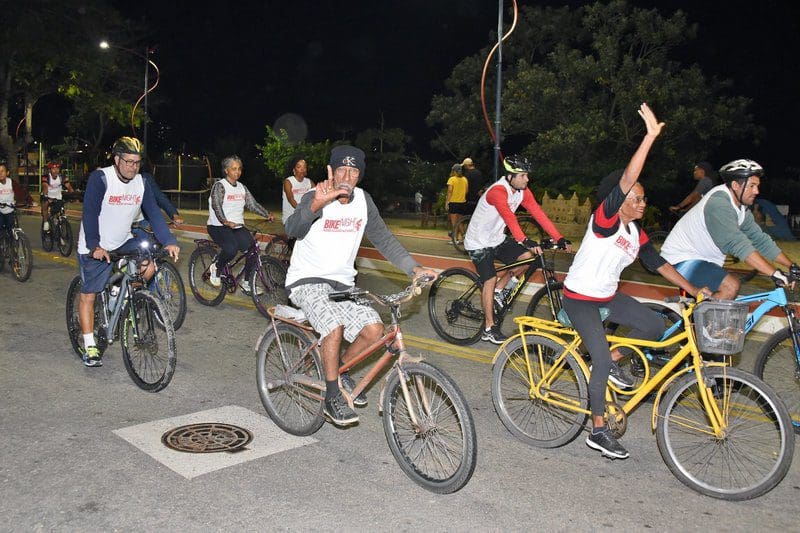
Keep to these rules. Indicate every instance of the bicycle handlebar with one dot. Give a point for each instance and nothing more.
(357, 294)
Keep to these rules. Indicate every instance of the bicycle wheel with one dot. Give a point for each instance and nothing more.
(270, 285)
(546, 306)
(530, 228)
(199, 262)
(168, 286)
(73, 324)
(47, 237)
(65, 237)
(430, 432)
(535, 421)
(148, 342)
(459, 232)
(454, 306)
(21, 257)
(657, 237)
(777, 365)
(756, 449)
(285, 361)
(279, 248)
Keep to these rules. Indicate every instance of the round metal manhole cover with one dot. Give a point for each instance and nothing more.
(209, 437)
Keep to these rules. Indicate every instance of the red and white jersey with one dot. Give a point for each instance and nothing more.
(7, 196)
(55, 185)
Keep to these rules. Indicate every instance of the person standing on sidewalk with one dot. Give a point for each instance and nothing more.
(455, 202)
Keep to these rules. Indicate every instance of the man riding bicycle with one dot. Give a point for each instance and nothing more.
(486, 241)
(329, 223)
(53, 184)
(721, 224)
(115, 196)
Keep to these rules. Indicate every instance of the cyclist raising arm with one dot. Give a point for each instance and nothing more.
(721, 224)
(612, 241)
(485, 239)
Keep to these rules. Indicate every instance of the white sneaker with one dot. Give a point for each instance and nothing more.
(245, 285)
(213, 278)
(46, 225)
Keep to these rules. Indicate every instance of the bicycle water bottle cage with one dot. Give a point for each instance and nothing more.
(563, 318)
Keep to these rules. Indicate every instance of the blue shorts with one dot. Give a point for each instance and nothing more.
(95, 272)
(702, 273)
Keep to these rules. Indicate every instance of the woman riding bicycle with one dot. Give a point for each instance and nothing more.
(226, 205)
(611, 243)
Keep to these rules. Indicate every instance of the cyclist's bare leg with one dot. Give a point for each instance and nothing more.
(729, 288)
(86, 312)
(45, 204)
(330, 353)
(368, 335)
(487, 300)
(453, 217)
(502, 280)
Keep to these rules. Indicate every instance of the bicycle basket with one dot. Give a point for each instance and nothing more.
(720, 326)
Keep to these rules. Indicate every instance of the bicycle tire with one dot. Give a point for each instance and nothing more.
(151, 356)
(454, 306)
(535, 421)
(292, 406)
(73, 324)
(657, 237)
(439, 452)
(280, 249)
(757, 434)
(459, 232)
(530, 228)
(47, 237)
(777, 365)
(199, 262)
(21, 257)
(65, 237)
(271, 283)
(541, 306)
(167, 285)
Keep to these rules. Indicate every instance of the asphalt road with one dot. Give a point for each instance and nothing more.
(69, 461)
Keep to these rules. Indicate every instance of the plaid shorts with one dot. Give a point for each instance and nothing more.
(325, 315)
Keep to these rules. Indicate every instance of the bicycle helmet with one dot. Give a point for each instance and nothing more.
(740, 170)
(516, 164)
(128, 145)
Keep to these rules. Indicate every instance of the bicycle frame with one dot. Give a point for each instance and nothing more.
(556, 332)
(536, 262)
(253, 253)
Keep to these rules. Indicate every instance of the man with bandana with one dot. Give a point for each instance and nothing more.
(115, 197)
(329, 223)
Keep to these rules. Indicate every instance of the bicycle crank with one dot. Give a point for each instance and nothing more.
(616, 419)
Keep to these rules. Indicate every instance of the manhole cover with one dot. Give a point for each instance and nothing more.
(207, 437)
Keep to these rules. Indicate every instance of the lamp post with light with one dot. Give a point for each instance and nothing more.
(105, 45)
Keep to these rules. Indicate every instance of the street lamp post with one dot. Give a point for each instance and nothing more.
(147, 88)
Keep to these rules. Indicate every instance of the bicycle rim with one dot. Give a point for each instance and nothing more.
(64, 237)
(437, 446)
(777, 365)
(148, 342)
(454, 307)
(167, 285)
(21, 257)
(536, 421)
(281, 359)
(754, 454)
(269, 285)
(73, 324)
(199, 263)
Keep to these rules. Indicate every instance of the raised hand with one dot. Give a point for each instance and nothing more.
(650, 120)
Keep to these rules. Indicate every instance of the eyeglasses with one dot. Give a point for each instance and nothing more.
(637, 199)
(131, 162)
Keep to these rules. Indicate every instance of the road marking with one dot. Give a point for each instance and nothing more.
(56, 258)
(268, 439)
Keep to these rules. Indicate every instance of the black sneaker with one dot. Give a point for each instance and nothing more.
(338, 411)
(494, 335)
(620, 377)
(607, 444)
(348, 384)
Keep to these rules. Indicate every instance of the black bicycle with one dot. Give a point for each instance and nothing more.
(15, 249)
(59, 232)
(124, 310)
(454, 299)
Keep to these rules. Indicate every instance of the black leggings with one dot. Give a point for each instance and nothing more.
(231, 241)
(624, 310)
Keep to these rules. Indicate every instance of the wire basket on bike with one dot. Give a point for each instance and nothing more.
(719, 326)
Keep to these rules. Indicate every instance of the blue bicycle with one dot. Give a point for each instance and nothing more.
(778, 361)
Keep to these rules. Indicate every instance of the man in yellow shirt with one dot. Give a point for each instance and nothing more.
(456, 201)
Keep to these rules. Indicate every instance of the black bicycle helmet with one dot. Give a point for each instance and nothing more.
(515, 164)
(127, 145)
(740, 170)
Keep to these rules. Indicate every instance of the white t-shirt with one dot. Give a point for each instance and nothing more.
(122, 203)
(299, 188)
(232, 204)
(55, 186)
(6, 196)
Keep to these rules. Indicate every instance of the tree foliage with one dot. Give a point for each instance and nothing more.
(277, 151)
(572, 82)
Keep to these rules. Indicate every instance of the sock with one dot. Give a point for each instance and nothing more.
(331, 388)
(598, 430)
(88, 340)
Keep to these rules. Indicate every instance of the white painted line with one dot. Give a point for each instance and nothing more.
(268, 439)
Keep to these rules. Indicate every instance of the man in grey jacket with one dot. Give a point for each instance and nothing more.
(329, 223)
(721, 224)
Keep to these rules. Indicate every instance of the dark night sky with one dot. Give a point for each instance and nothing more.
(230, 68)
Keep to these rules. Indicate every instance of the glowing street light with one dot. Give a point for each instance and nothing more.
(105, 45)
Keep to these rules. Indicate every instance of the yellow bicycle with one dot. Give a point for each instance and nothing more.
(720, 430)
